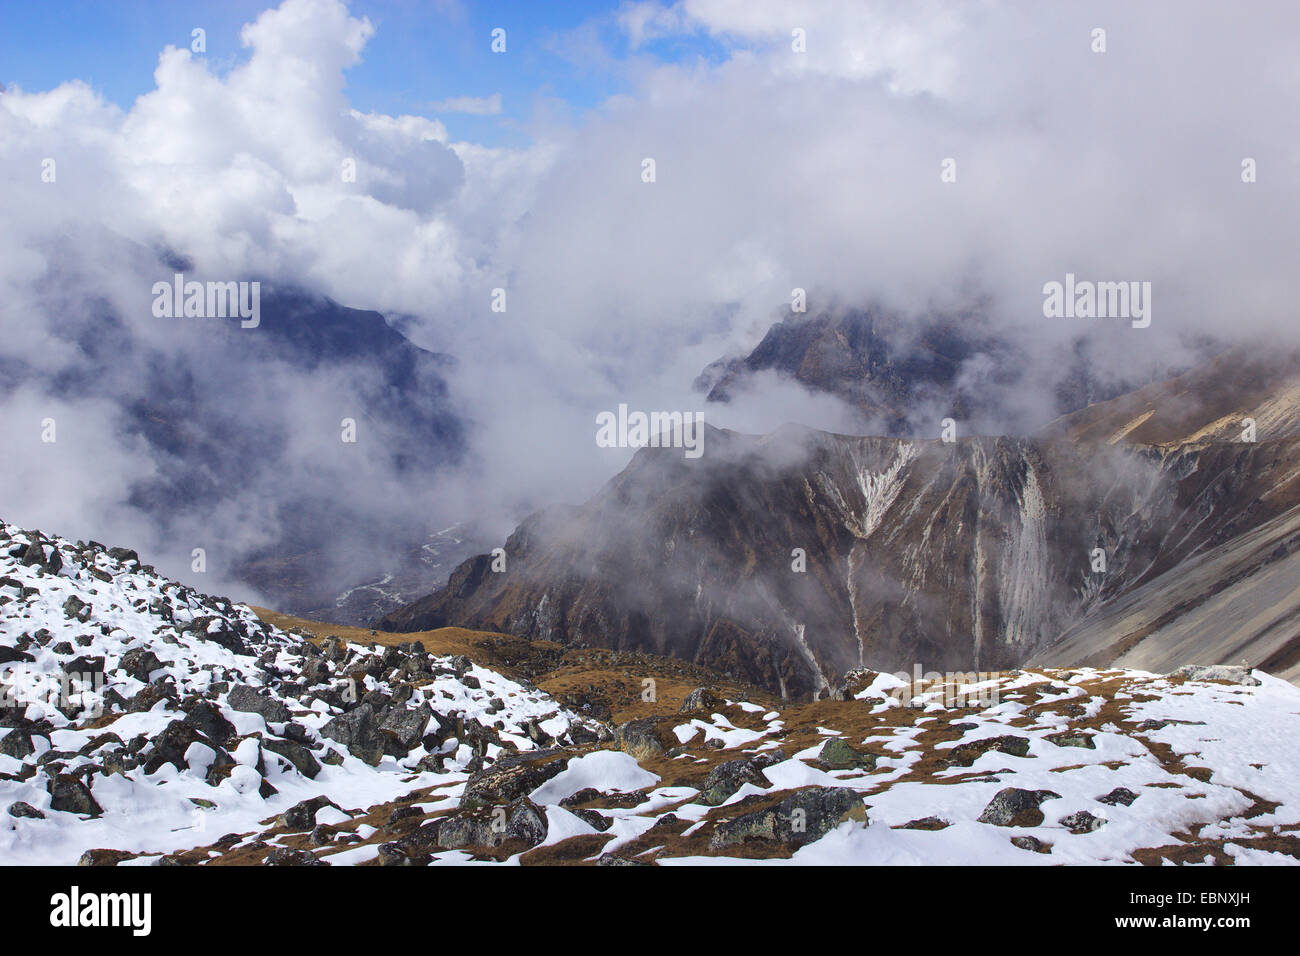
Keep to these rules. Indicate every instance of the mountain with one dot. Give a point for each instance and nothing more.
(902, 374)
(146, 723)
(230, 438)
(977, 554)
(1210, 402)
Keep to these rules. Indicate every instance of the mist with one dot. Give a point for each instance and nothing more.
(775, 170)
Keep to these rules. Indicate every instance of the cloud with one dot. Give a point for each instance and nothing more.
(473, 105)
(774, 169)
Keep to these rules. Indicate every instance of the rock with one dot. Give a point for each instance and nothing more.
(251, 701)
(512, 777)
(1013, 807)
(70, 795)
(1120, 795)
(836, 754)
(76, 609)
(925, 823)
(124, 555)
(149, 697)
(34, 555)
(394, 854)
(1226, 673)
(171, 745)
(854, 682)
(104, 857)
(357, 731)
(1032, 844)
(302, 759)
(640, 738)
(609, 859)
(522, 824)
(25, 810)
(581, 796)
(594, 819)
(965, 755)
(206, 717)
(1082, 822)
(1073, 738)
(727, 778)
(403, 727)
(98, 741)
(17, 744)
(302, 816)
(283, 856)
(804, 816)
(701, 699)
(140, 663)
(315, 671)
(404, 813)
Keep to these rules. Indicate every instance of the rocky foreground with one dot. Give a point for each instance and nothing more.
(145, 723)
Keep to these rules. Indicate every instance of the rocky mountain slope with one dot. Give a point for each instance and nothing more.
(147, 724)
(1208, 403)
(139, 715)
(976, 554)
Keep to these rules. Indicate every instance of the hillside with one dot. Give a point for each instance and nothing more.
(977, 555)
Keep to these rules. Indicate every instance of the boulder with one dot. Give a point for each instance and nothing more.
(521, 824)
(70, 795)
(512, 777)
(25, 810)
(140, 663)
(206, 717)
(357, 731)
(727, 778)
(1073, 738)
(302, 759)
(1118, 796)
(700, 699)
(1082, 822)
(1032, 844)
(1013, 807)
(804, 816)
(302, 816)
(402, 729)
(283, 856)
(836, 754)
(640, 738)
(251, 701)
(964, 755)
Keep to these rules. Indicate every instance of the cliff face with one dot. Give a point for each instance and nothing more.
(971, 555)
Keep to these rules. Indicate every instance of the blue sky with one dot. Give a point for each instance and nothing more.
(570, 54)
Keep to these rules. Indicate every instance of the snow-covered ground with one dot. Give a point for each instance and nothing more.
(80, 701)
(140, 716)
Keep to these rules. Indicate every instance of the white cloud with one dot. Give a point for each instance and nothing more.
(775, 170)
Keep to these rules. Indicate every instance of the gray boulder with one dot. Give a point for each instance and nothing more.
(1013, 807)
(801, 818)
(252, 701)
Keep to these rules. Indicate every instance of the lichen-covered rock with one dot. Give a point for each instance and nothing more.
(1013, 807)
(804, 816)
